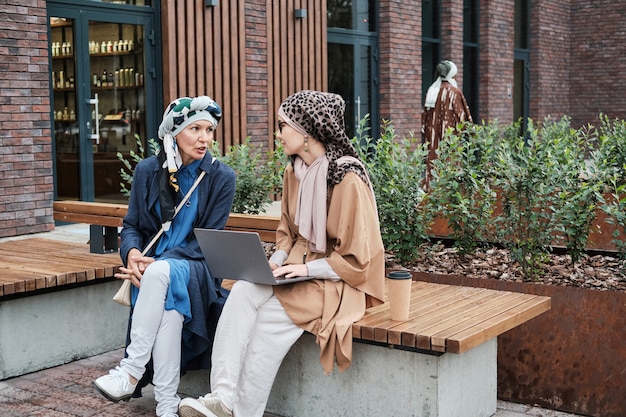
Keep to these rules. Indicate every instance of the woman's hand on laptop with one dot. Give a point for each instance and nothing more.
(290, 271)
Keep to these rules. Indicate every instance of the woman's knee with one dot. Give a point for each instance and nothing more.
(158, 271)
(243, 291)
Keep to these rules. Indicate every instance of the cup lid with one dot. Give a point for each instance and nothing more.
(399, 275)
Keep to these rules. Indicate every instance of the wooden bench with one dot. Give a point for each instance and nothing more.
(441, 362)
(105, 219)
(37, 264)
(56, 304)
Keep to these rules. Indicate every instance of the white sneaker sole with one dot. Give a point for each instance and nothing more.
(110, 397)
(192, 409)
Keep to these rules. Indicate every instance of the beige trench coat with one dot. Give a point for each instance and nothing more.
(355, 251)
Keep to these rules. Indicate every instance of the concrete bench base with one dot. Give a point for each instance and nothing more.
(45, 330)
(380, 382)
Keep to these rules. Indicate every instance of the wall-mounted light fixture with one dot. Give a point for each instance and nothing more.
(299, 13)
(211, 3)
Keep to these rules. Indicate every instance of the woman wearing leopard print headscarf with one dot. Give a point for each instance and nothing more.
(329, 230)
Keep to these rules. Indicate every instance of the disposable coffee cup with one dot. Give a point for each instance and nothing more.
(399, 285)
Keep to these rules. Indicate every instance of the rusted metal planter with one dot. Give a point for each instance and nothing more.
(571, 358)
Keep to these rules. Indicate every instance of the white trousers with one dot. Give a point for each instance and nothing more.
(157, 332)
(254, 333)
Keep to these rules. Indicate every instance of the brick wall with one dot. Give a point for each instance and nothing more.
(496, 59)
(26, 181)
(257, 72)
(452, 35)
(401, 65)
(550, 60)
(598, 61)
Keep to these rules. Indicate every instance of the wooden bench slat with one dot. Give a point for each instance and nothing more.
(87, 207)
(448, 318)
(369, 324)
(475, 325)
(463, 311)
(256, 222)
(460, 306)
(469, 338)
(426, 313)
(88, 219)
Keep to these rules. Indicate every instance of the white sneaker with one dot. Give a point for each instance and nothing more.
(207, 406)
(115, 386)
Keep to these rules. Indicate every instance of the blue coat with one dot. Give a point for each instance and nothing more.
(216, 192)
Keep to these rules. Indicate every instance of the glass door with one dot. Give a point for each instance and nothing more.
(117, 102)
(66, 135)
(352, 73)
(353, 60)
(100, 90)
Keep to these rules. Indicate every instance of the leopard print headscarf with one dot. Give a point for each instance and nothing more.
(321, 116)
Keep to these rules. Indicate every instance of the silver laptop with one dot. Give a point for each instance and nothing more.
(238, 255)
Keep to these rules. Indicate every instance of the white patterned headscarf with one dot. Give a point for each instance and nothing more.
(446, 70)
(177, 116)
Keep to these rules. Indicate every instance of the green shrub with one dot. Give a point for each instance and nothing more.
(126, 173)
(527, 174)
(461, 188)
(258, 180)
(577, 186)
(609, 164)
(395, 167)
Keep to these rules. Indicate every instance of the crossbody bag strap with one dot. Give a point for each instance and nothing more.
(178, 207)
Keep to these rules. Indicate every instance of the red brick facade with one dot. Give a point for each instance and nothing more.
(577, 61)
(597, 68)
(400, 64)
(550, 60)
(26, 181)
(496, 59)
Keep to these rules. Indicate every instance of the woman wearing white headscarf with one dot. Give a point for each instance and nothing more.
(175, 302)
(444, 107)
(328, 229)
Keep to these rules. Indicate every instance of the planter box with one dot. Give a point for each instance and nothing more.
(600, 236)
(571, 358)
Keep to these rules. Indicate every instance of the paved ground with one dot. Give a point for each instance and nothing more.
(66, 391)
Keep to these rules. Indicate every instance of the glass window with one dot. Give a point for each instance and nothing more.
(521, 24)
(131, 2)
(431, 41)
(355, 15)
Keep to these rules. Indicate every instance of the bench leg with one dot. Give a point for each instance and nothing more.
(102, 239)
